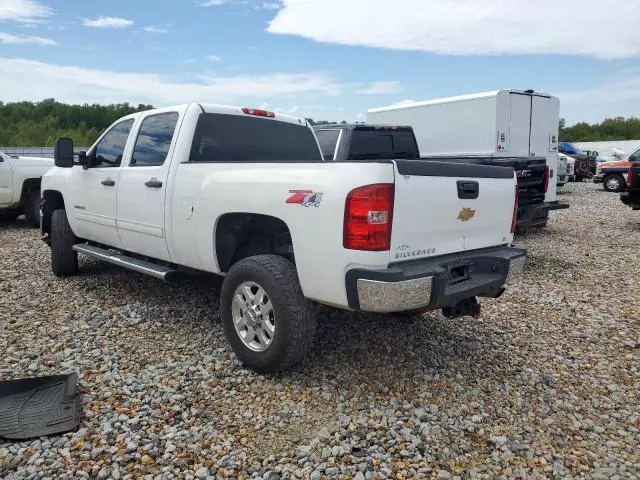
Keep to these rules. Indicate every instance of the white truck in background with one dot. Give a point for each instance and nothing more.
(501, 123)
(246, 193)
(20, 179)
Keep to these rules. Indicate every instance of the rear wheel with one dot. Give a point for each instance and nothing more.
(32, 208)
(267, 320)
(613, 183)
(64, 260)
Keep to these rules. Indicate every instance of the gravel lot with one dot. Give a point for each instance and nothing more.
(545, 385)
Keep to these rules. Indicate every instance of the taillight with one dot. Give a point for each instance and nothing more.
(368, 215)
(514, 218)
(630, 176)
(547, 173)
(258, 112)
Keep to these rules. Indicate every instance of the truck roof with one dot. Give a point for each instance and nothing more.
(223, 109)
(354, 126)
(458, 98)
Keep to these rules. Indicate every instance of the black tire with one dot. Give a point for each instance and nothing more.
(295, 322)
(64, 260)
(31, 208)
(613, 183)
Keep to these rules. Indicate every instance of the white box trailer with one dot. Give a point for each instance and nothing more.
(501, 123)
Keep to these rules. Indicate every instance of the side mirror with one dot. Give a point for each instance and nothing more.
(63, 153)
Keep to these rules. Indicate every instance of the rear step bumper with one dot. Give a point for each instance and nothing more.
(532, 216)
(117, 258)
(435, 282)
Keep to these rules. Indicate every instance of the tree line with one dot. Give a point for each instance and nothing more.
(618, 128)
(38, 124)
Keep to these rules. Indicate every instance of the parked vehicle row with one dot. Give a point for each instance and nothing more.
(251, 195)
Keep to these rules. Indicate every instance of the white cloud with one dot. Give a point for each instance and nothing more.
(24, 11)
(152, 29)
(257, 4)
(381, 87)
(270, 5)
(80, 85)
(15, 39)
(469, 27)
(213, 3)
(214, 58)
(107, 22)
(617, 95)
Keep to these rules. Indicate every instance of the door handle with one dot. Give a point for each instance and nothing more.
(153, 183)
(108, 182)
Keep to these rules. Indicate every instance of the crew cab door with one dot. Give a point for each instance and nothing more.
(6, 180)
(92, 191)
(142, 186)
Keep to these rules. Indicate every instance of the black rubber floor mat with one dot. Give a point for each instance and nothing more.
(34, 407)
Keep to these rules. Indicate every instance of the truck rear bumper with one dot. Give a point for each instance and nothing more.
(532, 216)
(597, 178)
(435, 282)
(556, 205)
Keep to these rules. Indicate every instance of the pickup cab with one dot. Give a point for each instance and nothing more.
(246, 194)
(631, 197)
(20, 179)
(345, 142)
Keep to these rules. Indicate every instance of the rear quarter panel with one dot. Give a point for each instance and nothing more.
(203, 192)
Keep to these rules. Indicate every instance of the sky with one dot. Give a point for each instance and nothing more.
(324, 59)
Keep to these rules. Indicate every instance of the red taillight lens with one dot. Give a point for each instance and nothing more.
(258, 112)
(515, 213)
(547, 173)
(367, 218)
(630, 176)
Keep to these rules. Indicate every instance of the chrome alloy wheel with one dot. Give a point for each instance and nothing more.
(253, 316)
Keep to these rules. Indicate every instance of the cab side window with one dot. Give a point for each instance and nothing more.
(154, 139)
(109, 151)
(635, 156)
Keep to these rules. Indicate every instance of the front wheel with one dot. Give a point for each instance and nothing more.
(613, 183)
(267, 320)
(64, 259)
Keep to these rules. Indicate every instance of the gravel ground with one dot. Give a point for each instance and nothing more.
(545, 385)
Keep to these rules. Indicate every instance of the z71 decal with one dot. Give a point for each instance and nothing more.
(306, 198)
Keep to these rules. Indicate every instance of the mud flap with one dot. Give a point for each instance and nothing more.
(34, 407)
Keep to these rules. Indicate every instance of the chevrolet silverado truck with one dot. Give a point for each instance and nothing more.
(246, 194)
(631, 197)
(345, 142)
(612, 175)
(20, 179)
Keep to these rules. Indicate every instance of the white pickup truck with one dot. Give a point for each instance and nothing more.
(246, 194)
(20, 186)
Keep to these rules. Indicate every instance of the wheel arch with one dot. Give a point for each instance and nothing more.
(52, 200)
(238, 235)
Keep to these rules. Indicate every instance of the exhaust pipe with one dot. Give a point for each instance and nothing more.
(468, 306)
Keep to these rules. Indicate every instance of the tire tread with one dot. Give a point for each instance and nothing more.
(64, 260)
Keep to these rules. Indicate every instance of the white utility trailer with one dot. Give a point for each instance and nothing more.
(501, 123)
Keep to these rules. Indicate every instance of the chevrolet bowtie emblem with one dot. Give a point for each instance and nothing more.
(466, 214)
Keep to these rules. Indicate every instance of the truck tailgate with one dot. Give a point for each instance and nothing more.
(443, 207)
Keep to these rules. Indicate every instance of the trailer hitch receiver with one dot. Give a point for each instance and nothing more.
(468, 306)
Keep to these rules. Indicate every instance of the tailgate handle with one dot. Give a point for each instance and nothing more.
(468, 189)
